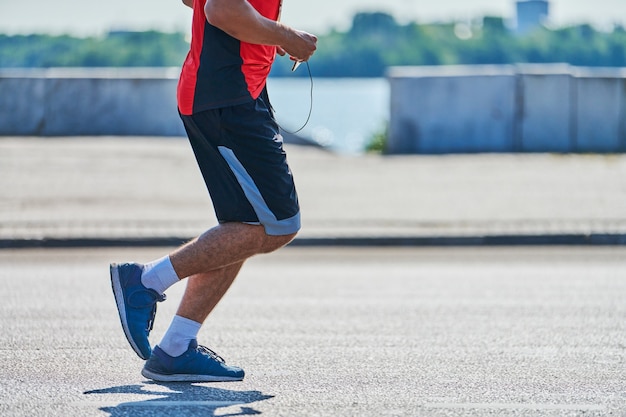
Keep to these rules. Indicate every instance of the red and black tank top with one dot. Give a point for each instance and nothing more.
(220, 70)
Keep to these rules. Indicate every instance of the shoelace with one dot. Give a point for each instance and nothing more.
(160, 298)
(212, 354)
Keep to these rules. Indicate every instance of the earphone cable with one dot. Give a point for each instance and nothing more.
(310, 106)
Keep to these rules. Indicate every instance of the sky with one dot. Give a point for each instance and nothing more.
(86, 18)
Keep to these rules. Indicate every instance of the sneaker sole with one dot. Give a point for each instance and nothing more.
(187, 377)
(116, 285)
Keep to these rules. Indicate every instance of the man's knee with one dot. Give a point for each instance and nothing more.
(274, 242)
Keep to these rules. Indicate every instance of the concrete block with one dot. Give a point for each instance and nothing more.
(448, 110)
(112, 103)
(80, 101)
(97, 106)
(21, 112)
(547, 101)
(530, 108)
(600, 114)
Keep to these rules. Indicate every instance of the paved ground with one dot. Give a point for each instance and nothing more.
(150, 188)
(324, 331)
(333, 332)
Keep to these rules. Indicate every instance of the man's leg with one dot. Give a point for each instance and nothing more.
(205, 289)
(239, 152)
(224, 245)
(202, 294)
(217, 256)
(212, 261)
(137, 290)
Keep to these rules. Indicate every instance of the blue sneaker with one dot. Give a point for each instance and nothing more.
(197, 364)
(136, 305)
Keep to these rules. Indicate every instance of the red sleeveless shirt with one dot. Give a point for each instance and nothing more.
(220, 70)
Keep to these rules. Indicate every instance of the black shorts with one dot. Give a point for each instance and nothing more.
(240, 153)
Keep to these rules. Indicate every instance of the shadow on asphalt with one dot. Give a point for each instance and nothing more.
(180, 399)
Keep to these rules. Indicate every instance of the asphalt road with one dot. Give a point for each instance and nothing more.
(333, 332)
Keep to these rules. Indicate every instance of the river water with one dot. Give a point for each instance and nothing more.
(346, 112)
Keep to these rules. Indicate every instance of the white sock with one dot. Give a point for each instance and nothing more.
(176, 340)
(159, 275)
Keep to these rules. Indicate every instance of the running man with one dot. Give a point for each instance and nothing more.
(223, 103)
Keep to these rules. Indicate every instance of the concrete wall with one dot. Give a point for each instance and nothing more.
(546, 99)
(452, 109)
(601, 112)
(546, 108)
(131, 101)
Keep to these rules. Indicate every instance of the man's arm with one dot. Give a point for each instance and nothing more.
(188, 3)
(241, 21)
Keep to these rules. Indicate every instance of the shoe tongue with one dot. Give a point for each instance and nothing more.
(193, 344)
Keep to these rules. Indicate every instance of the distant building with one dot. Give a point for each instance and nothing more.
(531, 14)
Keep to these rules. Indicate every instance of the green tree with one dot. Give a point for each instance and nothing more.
(374, 42)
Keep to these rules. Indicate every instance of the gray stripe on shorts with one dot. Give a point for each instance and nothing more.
(272, 225)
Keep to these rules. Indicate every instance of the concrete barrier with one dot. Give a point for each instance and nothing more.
(547, 99)
(83, 101)
(21, 99)
(452, 109)
(601, 112)
(526, 108)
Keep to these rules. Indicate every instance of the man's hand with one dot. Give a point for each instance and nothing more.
(300, 45)
(188, 3)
